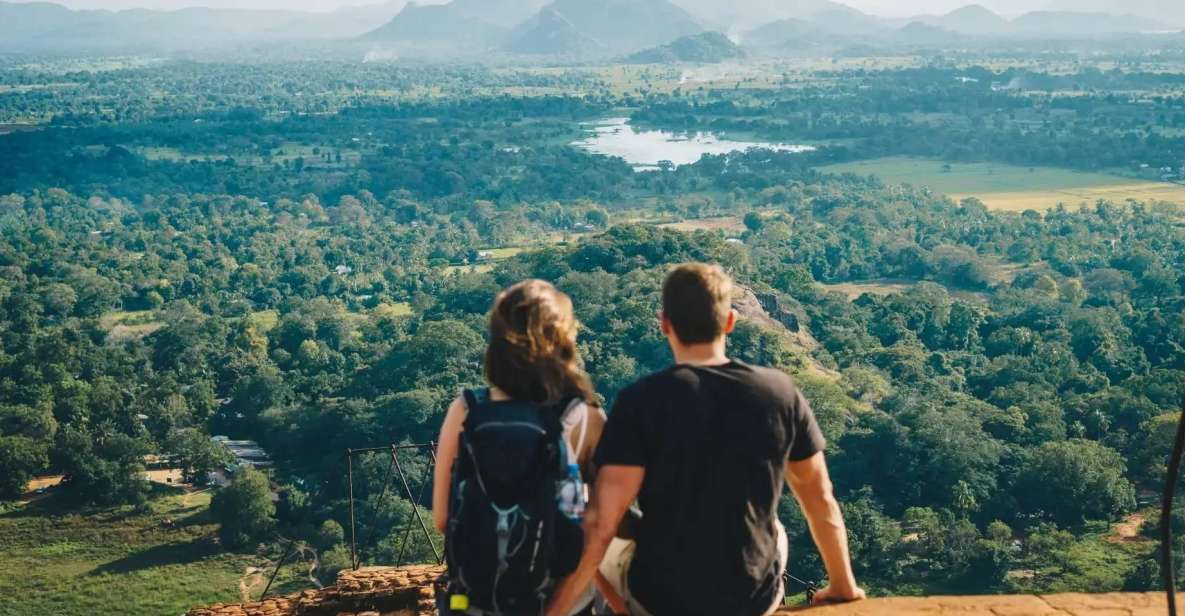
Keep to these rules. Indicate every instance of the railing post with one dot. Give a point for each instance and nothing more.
(415, 506)
(353, 533)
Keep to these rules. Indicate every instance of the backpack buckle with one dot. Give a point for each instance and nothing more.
(503, 532)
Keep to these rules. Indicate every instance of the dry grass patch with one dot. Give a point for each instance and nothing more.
(1012, 188)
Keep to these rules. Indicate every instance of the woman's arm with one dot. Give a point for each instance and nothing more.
(446, 454)
(594, 428)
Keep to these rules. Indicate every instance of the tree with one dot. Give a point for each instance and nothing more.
(332, 562)
(330, 535)
(754, 222)
(104, 469)
(195, 452)
(874, 538)
(244, 509)
(1069, 482)
(597, 217)
(20, 458)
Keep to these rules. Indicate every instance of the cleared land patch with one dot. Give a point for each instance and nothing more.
(726, 223)
(853, 290)
(1012, 188)
(128, 326)
(114, 562)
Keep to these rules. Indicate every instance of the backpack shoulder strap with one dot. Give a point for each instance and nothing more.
(576, 417)
(470, 398)
(474, 399)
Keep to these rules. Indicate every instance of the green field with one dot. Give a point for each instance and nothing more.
(1013, 188)
(60, 562)
(265, 320)
(127, 326)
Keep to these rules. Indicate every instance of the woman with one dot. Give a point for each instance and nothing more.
(531, 362)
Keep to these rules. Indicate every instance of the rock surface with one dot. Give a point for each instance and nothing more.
(407, 591)
(1117, 604)
(371, 591)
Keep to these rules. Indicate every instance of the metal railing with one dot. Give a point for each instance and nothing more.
(395, 467)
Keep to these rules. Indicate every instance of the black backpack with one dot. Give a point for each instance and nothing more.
(508, 544)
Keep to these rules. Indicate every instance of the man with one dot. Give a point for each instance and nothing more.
(705, 447)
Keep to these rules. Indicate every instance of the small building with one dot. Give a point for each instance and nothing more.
(245, 453)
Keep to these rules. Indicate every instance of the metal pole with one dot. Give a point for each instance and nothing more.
(415, 506)
(407, 530)
(382, 496)
(353, 533)
(279, 565)
(1166, 516)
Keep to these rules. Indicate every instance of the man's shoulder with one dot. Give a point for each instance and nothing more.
(651, 382)
(774, 378)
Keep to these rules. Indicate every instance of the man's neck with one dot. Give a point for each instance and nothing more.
(709, 354)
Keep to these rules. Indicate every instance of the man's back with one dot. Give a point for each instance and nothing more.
(714, 442)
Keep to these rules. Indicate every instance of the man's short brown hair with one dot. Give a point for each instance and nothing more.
(696, 300)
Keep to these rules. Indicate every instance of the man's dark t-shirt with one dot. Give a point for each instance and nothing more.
(714, 442)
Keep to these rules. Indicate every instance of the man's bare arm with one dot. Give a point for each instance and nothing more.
(616, 488)
(811, 485)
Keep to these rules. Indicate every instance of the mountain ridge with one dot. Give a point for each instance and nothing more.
(705, 48)
(47, 25)
(616, 26)
(435, 26)
(561, 28)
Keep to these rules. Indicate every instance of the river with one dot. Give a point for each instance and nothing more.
(645, 149)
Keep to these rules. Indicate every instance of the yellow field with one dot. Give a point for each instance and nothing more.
(265, 320)
(1013, 188)
(1117, 193)
(399, 309)
(853, 290)
(480, 268)
(728, 223)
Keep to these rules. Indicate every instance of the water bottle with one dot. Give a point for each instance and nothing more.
(572, 494)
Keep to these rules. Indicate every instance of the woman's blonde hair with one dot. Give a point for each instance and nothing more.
(532, 351)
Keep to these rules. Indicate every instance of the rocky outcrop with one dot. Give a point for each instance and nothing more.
(1117, 604)
(407, 591)
(371, 591)
(774, 312)
(784, 315)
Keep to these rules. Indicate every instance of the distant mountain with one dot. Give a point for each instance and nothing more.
(617, 26)
(784, 33)
(550, 33)
(974, 19)
(505, 13)
(848, 21)
(45, 26)
(18, 21)
(1070, 24)
(918, 33)
(1169, 12)
(442, 28)
(977, 21)
(742, 15)
(705, 48)
(353, 21)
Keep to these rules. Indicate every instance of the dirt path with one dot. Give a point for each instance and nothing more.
(39, 483)
(252, 579)
(1128, 530)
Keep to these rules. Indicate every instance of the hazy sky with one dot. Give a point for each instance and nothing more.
(880, 7)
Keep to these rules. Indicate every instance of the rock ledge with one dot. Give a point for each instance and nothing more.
(407, 591)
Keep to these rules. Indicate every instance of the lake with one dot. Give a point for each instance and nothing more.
(645, 149)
